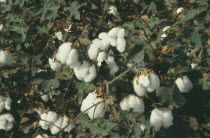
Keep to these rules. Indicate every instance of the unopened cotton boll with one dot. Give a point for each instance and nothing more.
(166, 28)
(101, 57)
(113, 11)
(98, 110)
(167, 119)
(72, 59)
(91, 74)
(156, 119)
(63, 52)
(113, 32)
(124, 105)
(179, 10)
(54, 65)
(112, 65)
(59, 35)
(121, 44)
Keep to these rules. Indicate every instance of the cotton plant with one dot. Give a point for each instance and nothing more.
(5, 103)
(132, 102)
(6, 58)
(184, 84)
(145, 81)
(6, 122)
(52, 121)
(96, 111)
(160, 119)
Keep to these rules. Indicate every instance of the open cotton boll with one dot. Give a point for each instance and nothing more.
(63, 52)
(91, 74)
(113, 42)
(190, 54)
(167, 119)
(54, 65)
(6, 122)
(9, 58)
(51, 116)
(124, 105)
(88, 101)
(101, 57)
(44, 97)
(143, 127)
(53, 128)
(163, 35)
(59, 35)
(113, 32)
(180, 84)
(9, 126)
(2, 104)
(3, 58)
(42, 123)
(83, 69)
(112, 65)
(144, 80)
(93, 52)
(8, 102)
(156, 119)
(188, 84)
(6, 58)
(1, 25)
(165, 28)
(65, 122)
(154, 82)
(72, 59)
(113, 11)
(121, 44)
(97, 111)
(179, 10)
(105, 44)
(121, 33)
(138, 105)
(194, 65)
(69, 127)
(103, 35)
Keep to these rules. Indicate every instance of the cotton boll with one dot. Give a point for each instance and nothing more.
(54, 65)
(180, 84)
(91, 74)
(59, 35)
(83, 69)
(188, 84)
(26, 129)
(97, 111)
(63, 52)
(53, 128)
(105, 44)
(124, 105)
(190, 54)
(163, 35)
(113, 11)
(45, 135)
(154, 82)
(194, 65)
(103, 35)
(2, 104)
(138, 88)
(8, 102)
(156, 119)
(44, 97)
(136, 1)
(51, 116)
(121, 44)
(179, 10)
(132, 100)
(9, 126)
(72, 59)
(3, 124)
(143, 127)
(113, 32)
(112, 65)
(88, 101)
(65, 122)
(165, 28)
(42, 123)
(167, 119)
(101, 57)
(113, 42)
(121, 33)
(3, 60)
(9, 118)
(6, 58)
(1, 27)
(93, 52)
(138, 106)
(144, 80)
(39, 136)
(70, 127)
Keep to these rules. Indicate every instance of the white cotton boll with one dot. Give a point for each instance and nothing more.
(194, 65)
(167, 119)
(2, 104)
(112, 65)
(88, 101)
(3, 1)
(190, 54)
(101, 57)
(105, 44)
(136, 1)
(8, 102)
(9, 58)
(154, 82)
(9, 126)
(97, 111)
(3, 58)
(156, 119)
(1, 27)
(83, 69)
(59, 35)
(179, 10)
(166, 28)
(77, 72)
(144, 80)
(54, 65)
(121, 33)
(132, 100)
(45, 97)
(65, 122)
(51, 116)
(39, 136)
(63, 52)
(138, 106)
(72, 59)
(103, 35)
(180, 84)
(143, 127)
(3, 124)
(124, 105)
(138, 88)
(121, 44)
(26, 129)
(45, 135)
(42, 123)
(6, 58)
(69, 127)
(113, 42)
(53, 128)
(93, 52)
(188, 84)
(113, 11)
(163, 35)
(91, 74)
(113, 32)
(9, 118)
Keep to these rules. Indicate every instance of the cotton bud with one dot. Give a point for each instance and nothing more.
(101, 57)
(184, 84)
(54, 65)
(59, 35)
(112, 65)
(1, 27)
(121, 44)
(63, 52)
(91, 74)
(72, 59)
(113, 11)
(6, 58)
(166, 28)
(179, 10)
(113, 32)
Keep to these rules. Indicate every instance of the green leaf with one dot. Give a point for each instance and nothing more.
(196, 40)
(136, 53)
(164, 93)
(184, 69)
(154, 21)
(136, 130)
(47, 85)
(73, 10)
(178, 98)
(174, 42)
(208, 61)
(188, 17)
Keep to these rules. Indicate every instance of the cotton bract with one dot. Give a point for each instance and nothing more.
(160, 119)
(184, 84)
